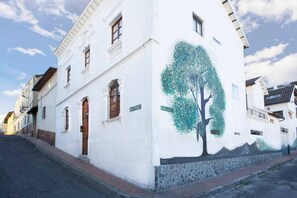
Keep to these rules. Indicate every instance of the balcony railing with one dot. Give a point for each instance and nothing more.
(258, 114)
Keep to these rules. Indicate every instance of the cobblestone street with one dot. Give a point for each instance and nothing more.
(25, 172)
(279, 182)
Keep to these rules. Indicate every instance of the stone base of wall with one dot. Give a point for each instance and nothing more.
(47, 136)
(168, 176)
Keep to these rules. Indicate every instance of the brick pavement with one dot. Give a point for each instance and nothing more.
(126, 189)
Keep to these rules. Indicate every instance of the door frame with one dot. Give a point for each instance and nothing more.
(82, 124)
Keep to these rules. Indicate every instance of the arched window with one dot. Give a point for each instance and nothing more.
(114, 99)
(66, 119)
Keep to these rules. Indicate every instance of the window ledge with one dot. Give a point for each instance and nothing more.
(118, 118)
(86, 69)
(67, 85)
(115, 49)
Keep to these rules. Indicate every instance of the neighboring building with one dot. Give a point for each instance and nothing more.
(114, 107)
(281, 100)
(3, 126)
(46, 108)
(8, 120)
(262, 124)
(23, 120)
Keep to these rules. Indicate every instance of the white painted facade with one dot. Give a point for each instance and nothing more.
(130, 145)
(290, 120)
(47, 98)
(23, 120)
(260, 124)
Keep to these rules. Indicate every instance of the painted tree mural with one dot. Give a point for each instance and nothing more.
(195, 88)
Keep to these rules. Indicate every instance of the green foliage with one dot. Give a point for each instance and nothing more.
(262, 146)
(190, 72)
(184, 120)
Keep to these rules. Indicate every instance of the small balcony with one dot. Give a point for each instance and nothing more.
(258, 114)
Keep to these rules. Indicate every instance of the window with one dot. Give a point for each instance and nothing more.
(235, 92)
(68, 70)
(43, 112)
(66, 119)
(197, 25)
(116, 31)
(87, 57)
(284, 130)
(114, 100)
(271, 121)
(255, 132)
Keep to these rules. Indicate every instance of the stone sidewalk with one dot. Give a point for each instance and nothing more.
(123, 188)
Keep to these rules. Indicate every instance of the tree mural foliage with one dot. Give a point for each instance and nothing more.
(193, 83)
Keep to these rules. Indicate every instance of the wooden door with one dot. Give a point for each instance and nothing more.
(85, 126)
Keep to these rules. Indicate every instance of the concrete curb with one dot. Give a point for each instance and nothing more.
(80, 172)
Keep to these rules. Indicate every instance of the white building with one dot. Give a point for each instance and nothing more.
(23, 120)
(111, 105)
(46, 109)
(281, 101)
(261, 124)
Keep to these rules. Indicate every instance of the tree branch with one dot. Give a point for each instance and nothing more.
(191, 89)
(207, 100)
(207, 121)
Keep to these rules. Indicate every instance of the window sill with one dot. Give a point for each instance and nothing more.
(118, 118)
(86, 69)
(67, 85)
(65, 131)
(115, 49)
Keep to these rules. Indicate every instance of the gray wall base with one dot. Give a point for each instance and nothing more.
(168, 176)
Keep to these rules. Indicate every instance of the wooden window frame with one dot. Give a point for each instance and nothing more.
(116, 30)
(68, 74)
(87, 57)
(66, 119)
(44, 112)
(114, 100)
(197, 25)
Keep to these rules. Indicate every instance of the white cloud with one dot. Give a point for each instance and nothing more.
(28, 51)
(57, 8)
(266, 53)
(250, 24)
(265, 63)
(12, 93)
(17, 11)
(269, 10)
(22, 76)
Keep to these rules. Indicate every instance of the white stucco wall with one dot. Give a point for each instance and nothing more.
(123, 146)
(288, 123)
(174, 24)
(47, 98)
(130, 146)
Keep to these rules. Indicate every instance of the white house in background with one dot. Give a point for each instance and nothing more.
(261, 124)
(281, 100)
(46, 115)
(23, 120)
(111, 106)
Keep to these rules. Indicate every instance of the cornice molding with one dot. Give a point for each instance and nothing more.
(78, 26)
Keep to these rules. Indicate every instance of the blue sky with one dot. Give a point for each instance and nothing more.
(31, 29)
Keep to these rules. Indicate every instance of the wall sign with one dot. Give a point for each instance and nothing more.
(135, 108)
(168, 109)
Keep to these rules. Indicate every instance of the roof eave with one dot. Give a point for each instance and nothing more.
(235, 20)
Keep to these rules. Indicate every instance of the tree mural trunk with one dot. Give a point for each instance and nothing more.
(203, 121)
